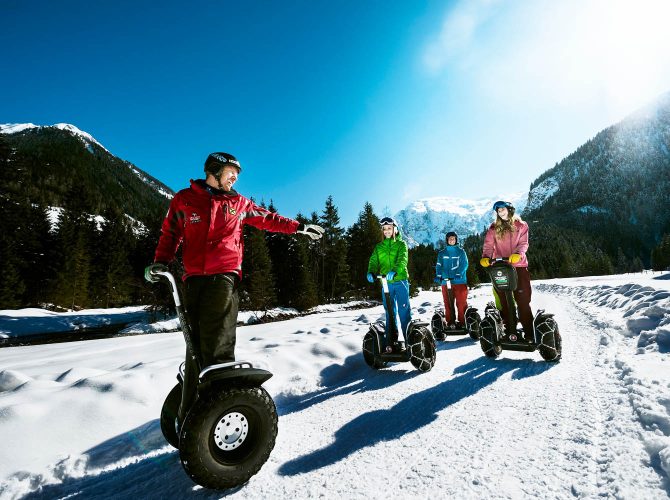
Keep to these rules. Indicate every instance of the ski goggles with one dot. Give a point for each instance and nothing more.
(501, 204)
(387, 221)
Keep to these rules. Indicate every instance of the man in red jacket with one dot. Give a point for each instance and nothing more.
(207, 220)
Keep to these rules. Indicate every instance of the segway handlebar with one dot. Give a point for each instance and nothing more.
(496, 260)
(181, 314)
(385, 283)
(173, 285)
(499, 259)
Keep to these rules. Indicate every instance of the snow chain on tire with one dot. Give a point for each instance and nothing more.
(369, 356)
(550, 341)
(473, 325)
(488, 328)
(422, 351)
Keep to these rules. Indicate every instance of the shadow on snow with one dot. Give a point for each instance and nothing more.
(121, 468)
(351, 377)
(412, 413)
(354, 376)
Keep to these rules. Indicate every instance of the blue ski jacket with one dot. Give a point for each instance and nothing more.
(452, 262)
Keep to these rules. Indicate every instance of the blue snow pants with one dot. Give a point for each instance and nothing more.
(399, 292)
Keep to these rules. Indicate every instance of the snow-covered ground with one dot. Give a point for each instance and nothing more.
(79, 419)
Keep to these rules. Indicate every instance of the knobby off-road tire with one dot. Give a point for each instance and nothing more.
(422, 349)
(169, 416)
(436, 325)
(370, 354)
(473, 322)
(228, 436)
(550, 348)
(488, 340)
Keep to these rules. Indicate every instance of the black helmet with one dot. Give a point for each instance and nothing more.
(387, 221)
(216, 161)
(450, 233)
(503, 204)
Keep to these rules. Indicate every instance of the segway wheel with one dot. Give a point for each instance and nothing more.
(169, 416)
(228, 436)
(370, 352)
(422, 349)
(473, 323)
(488, 339)
(436, 326)
(551, 343)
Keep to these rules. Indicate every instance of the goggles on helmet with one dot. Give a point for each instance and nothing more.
(501, 204)
(387, 221)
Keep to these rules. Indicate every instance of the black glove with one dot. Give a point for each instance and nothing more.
(153, 268)
(312, 230)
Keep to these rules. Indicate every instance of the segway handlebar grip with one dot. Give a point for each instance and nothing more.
(385, 285)
(173, 285)
(500, 259)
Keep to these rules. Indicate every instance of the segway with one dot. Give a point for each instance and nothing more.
(230, 429)
(420, 349)
(496, 337)
(441, 329)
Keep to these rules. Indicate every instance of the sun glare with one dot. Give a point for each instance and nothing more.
(632, 46)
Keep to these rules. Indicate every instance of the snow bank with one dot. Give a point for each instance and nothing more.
(33, 321)
(639, 312)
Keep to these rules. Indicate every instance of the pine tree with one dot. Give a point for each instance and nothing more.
(12, 285)
(473, 249)
(302, 292)
(622, 263)
(421, 266)
(258, 270)
(660, 255)
(75, 238)
(340, 283)
(333, 250)
(278, 244)
(113, 273)
(257, 287)
(636, 266)
(362, 237)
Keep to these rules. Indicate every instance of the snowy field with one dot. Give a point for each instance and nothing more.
(80, 419)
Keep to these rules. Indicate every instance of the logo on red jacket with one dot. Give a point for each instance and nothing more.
(194, 219)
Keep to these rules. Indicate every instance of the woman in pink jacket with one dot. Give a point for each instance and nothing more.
(508, 237)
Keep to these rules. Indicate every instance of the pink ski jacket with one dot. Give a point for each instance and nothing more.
(514, 242)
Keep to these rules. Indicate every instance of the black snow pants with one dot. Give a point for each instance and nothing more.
(211, 309)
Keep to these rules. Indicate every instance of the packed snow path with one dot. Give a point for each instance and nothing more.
(594, 425)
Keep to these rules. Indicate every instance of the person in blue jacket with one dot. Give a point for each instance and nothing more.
(452, 263)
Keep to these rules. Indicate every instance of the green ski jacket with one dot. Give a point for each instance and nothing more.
(390, 255)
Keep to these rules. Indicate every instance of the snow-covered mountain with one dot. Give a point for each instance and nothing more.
(85, 137)
(614, 183)
(88, 141)
(427, 220)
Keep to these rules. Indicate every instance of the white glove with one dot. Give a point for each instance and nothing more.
(312, 230)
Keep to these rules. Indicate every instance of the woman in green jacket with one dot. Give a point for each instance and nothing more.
(390, 258)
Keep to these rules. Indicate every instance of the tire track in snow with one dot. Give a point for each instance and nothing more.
(475, 428)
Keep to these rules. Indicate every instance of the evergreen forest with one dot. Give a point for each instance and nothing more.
(92, 250)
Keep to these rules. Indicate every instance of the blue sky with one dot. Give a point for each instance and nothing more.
(374, 101)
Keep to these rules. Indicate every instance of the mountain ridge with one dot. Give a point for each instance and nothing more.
(427, 220)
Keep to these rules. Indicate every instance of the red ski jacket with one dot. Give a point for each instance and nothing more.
(210, 228)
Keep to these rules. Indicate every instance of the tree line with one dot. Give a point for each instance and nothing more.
(83, 262)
